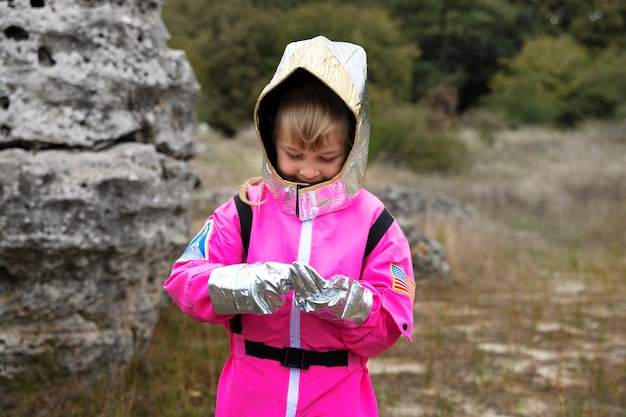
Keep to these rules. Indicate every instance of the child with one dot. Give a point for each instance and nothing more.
(304, 304)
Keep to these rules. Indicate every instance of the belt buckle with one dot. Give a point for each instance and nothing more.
(296, 358)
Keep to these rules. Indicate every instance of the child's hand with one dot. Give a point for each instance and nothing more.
(249, 288)
(340, 298)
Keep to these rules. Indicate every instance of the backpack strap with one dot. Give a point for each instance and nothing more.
(378, 229)
(245, 222)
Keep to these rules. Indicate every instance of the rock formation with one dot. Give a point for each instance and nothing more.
(429, 257)
(96, 130)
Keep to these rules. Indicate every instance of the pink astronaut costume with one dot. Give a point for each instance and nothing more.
(311, 308)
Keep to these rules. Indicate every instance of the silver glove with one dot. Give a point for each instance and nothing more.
(249, 288)
(340, 298)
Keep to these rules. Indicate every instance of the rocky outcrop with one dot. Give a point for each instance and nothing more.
(406, 203)
(408, 207)
(96, 130)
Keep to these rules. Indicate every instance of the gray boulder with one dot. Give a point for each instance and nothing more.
(409, 207)
(96, 130)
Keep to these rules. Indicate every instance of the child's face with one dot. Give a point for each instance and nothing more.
(308, 166)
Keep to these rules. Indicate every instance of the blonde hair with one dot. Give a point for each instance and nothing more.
(243, 191)
(308, 113)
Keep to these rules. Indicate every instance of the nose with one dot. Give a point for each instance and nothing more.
(309, 172)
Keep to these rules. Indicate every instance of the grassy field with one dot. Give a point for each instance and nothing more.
(533, 325)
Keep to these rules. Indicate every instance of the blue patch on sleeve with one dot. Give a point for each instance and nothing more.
(198, 248)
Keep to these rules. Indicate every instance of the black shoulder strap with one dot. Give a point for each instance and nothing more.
(245, 224)
(377, 231)
(245, 221)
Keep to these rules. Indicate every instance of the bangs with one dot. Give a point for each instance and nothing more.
(309, 128)
(311, 113)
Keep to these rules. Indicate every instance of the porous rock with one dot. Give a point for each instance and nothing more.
(96, 130)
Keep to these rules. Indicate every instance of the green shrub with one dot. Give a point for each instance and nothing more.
(407, 135)
(535, 82)
(556, 81)
(525, 102)
(602, 88)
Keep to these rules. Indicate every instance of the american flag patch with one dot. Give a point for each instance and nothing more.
(402, 282)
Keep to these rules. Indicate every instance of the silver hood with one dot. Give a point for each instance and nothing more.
(341, 66)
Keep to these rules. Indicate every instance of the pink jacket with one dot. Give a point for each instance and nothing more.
(337, 244)
(328, 230)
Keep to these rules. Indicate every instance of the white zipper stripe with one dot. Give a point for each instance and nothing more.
(304, 254)
(294, 373)
(304, 251)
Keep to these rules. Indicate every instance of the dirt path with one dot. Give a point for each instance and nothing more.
(506, 354)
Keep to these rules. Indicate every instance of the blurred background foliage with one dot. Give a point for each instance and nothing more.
(432, 63)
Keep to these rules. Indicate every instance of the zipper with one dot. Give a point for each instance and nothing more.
(304, 254)
(298, 200)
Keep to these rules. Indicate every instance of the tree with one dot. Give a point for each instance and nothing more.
(557, 81)
(596, 24)
(235, 46)
(462, 42)
(390, 56)
(227, 43)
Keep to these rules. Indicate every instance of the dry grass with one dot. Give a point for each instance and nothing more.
(532, 326)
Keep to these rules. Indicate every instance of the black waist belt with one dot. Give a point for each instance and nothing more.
(297, 358)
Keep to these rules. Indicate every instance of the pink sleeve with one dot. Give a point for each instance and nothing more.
(388, 273)
(217, 244)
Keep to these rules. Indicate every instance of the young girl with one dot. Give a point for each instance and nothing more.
(309, 300)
